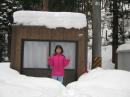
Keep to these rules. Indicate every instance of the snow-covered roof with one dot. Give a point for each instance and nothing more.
(124, 47)
(50, 19)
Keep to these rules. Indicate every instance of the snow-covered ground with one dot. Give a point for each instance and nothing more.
(97, 83)
(12, 84)
(102, 83)
(106, 58)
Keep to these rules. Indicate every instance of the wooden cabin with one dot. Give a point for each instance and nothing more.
(32, 44)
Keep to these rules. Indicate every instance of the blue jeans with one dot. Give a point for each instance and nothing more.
(58, 78)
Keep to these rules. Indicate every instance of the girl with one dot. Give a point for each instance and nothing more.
(57, 63)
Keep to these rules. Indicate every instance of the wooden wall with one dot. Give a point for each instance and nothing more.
(43, 33)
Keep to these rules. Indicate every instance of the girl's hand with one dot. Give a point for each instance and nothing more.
(68, 57)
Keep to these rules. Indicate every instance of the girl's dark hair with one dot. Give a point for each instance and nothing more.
(59, 46)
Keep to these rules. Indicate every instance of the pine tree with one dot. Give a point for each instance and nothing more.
(7, 7)
(32, 4)
(62, 5)
(119, 33)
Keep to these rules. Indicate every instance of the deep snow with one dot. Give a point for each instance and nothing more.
(12, 84)
(103, 83)
(97, 83)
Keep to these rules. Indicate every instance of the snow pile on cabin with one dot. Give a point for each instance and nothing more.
(50, 19)
(97, 83)
(124, 47)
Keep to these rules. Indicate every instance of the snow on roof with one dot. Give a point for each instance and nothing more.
(50, 19)
(124, 47)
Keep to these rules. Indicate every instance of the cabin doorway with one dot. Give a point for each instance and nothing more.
(35, 55)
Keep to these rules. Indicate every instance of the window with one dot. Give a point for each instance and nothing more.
(36, 53)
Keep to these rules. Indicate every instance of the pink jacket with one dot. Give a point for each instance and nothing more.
(57, 63)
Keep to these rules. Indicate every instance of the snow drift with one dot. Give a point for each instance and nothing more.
(97, 83)
(103, 83)
(12, 84)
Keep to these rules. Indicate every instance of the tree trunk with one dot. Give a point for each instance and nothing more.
(96, 24)
(115, 33)
(9, 42)
(45, 5)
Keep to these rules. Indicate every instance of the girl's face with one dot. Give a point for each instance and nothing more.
(58, 50)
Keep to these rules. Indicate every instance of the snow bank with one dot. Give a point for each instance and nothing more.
(97, 83)
(103, 83)
(12, 84)
(124, 47)
(50, 19)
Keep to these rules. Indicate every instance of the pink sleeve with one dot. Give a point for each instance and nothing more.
(66, 61)
(50, 61)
